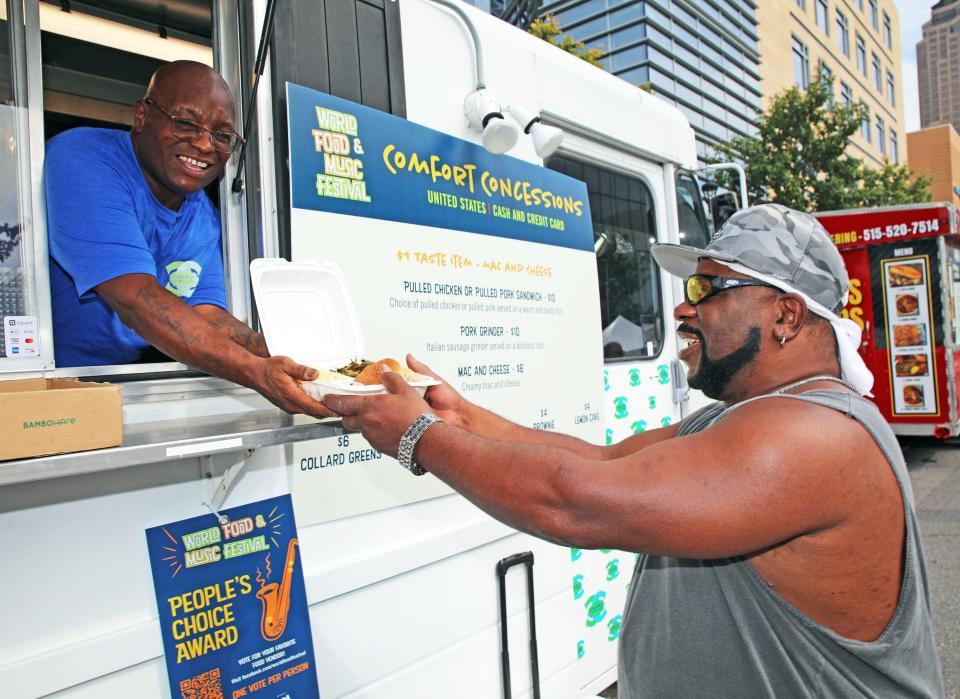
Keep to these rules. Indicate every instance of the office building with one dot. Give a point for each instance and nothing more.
(855, 41)
(938, 66)
(935, 152)
(701, 55)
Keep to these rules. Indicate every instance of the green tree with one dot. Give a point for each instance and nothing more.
(546, 28)
(799, 156)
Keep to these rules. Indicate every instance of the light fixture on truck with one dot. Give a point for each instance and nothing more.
(483, 113)
(546, 139)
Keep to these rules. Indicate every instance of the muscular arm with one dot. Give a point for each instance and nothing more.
(182, 333)
(730, 490)
(457, 410)
(231, 328)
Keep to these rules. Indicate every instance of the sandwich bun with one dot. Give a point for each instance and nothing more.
(370, 376)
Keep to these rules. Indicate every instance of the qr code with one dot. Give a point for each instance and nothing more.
(203, 686)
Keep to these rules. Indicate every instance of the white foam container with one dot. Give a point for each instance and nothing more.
(307, 314)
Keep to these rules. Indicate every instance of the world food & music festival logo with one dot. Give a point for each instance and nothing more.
(337, 138)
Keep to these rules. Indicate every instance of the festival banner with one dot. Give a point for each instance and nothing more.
(232, 604)
(350, 159)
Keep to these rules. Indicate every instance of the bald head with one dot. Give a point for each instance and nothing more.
(188, 81)
(178, 129)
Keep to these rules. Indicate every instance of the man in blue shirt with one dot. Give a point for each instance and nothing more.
(135, 252)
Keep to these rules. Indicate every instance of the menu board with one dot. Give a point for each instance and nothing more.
(480, 265)
(909, 319)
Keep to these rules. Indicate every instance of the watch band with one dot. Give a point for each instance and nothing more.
(408, 442)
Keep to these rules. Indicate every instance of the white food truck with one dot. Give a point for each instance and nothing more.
(495, 291)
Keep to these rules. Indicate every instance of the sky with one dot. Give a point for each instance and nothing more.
(913, 13)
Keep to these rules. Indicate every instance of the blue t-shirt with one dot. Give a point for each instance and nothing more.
(103, 222)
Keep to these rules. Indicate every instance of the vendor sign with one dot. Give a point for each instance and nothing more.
(232, 604)
(481, 265)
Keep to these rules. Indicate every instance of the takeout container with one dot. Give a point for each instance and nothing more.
(307, 314)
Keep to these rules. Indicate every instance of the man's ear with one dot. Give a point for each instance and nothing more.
(793, 314)
(139, 116)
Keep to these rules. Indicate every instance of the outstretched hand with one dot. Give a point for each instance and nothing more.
(382, 418)
(279, 382)
(444, 400)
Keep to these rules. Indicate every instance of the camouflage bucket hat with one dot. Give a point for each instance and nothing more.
(786, 245)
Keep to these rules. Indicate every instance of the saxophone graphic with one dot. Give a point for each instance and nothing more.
(275, 599)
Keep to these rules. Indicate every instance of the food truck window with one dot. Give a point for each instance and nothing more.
(690, 215)
(97, 60)
(624, 228)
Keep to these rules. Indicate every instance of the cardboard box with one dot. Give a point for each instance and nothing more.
(53, 416)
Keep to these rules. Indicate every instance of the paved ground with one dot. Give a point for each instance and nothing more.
(935, 474)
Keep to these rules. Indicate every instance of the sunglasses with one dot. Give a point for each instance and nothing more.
(699, 287)
(187, 130)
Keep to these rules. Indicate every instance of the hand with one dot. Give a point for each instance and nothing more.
(382, 418)
(444, 400)
(279, 382)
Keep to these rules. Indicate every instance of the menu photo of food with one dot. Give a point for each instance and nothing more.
(905, 274)
(907, 304)
(909, 334)
(913, 395)
(911, 365)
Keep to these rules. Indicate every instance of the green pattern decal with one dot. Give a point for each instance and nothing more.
(620, 407)
(639, 426)
(577, 586)
(613, 569)
(580, 650)
(613, 626)
(634, 377)
(596, 606)
(663, 374)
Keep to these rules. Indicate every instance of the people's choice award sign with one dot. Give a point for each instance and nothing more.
(232, 604)
(480, 265)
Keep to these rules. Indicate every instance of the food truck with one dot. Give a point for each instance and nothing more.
(904, 266)
(524, 277)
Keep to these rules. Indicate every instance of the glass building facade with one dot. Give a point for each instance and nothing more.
(700, 55)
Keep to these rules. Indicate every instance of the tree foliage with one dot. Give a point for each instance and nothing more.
(799, 156)
(548, 29)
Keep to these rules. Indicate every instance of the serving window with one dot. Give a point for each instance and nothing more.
(93, 62)
(624, 229)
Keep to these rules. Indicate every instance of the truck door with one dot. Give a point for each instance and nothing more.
(628, 210)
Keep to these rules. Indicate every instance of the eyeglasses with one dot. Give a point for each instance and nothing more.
(700, 287)
(187, 130)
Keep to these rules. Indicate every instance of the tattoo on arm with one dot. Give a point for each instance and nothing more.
(240, 333)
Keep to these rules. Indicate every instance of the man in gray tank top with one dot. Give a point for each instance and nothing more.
(780, 551)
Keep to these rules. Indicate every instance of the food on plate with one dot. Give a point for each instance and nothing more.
(904, 275)
(911, 364)
(913, 395)
(331, 376)
(907, 304)
(907, 335)
(371, 373)
(365, 372)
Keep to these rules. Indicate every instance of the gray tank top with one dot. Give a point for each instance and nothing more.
(713, 628)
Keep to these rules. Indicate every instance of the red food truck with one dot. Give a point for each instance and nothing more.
(904, 266)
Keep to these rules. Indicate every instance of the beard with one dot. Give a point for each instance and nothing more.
(713, 375)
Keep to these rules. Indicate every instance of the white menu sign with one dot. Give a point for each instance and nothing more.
(909, 317)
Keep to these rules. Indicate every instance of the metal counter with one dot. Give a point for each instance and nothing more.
(153, 442)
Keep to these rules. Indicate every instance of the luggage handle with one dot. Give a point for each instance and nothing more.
(505, 564)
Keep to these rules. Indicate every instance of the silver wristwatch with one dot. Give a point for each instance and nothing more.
(408, 442)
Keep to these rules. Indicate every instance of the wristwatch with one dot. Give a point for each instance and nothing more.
(408, 442)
